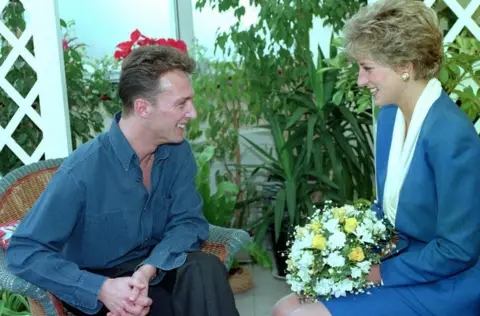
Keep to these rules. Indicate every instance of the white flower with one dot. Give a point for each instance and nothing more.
(364, 266)
(323, 286)
(295, 285)
(337, 240)
(296, 251)
(331, 225)
(379, 228)
(304, 275)
(364, 234)
(306, 240)
(350, 211)
(306, 260)
(335, 259)
(341, 288)
(368, 222)
(356, 273)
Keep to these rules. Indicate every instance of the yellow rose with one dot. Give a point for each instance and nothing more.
(356, 254)
(319, 242)
(350, 224)
(339, 213)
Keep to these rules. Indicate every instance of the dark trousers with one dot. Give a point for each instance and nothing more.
(199, 287)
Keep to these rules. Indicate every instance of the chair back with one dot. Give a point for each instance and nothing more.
(20, 188)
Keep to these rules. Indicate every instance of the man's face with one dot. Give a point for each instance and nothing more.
(172, 110)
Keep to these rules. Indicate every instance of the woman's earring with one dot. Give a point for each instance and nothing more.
(405, 76)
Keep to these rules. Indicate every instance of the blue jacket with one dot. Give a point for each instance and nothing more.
(438, 216)
(96, 213)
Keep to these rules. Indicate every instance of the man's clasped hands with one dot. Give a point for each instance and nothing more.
(128, 296)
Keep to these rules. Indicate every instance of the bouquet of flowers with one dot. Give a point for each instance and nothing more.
(332, 254)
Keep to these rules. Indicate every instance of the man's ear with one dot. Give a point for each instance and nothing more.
(141, 107)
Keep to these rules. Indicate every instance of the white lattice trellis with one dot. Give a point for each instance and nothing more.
(47, 62)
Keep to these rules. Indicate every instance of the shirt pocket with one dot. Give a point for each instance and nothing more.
(106, 235)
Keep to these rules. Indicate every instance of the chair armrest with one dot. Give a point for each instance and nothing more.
(16, 285)
(233, 239)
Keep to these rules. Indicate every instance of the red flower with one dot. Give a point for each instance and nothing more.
(64, 44)
(138, 39)
(135, 35)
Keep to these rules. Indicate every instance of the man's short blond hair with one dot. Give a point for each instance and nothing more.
(395, 32)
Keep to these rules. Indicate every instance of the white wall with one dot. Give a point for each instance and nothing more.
(102, 24)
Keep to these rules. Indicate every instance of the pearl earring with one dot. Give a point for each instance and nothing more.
(405, 76)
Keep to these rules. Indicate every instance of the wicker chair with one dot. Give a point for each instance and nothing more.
(20, 188)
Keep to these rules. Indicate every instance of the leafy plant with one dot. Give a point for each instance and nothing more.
(218, 208)
(222, 102)
(13, 304)
(320, 147)
(461, 72)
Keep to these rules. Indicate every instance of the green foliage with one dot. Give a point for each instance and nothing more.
(275, 50)
(222, 102)
(218, 207)
(221, 99)
(13, 304)
(346, 87)
(321, 149)
(461, 71)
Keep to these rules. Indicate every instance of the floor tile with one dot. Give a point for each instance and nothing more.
(266, 291)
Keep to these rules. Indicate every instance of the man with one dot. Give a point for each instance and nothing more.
(118, 229)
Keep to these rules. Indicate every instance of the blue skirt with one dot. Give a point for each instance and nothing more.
(439, 298)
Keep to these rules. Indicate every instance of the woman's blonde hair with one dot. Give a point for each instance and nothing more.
(394, 32)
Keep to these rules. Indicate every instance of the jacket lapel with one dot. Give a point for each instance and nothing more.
(386, 122)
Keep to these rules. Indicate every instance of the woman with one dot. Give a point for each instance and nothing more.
(427, 171)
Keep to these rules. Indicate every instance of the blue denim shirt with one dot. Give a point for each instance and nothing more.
(96, 213)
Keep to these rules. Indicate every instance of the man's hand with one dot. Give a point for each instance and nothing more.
(115, 292)
(139, 303)
(374, 274)
(144, 274)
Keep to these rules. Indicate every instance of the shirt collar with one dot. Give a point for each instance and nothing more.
(124, 150)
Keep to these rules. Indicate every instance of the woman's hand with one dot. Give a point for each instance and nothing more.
(374, 274)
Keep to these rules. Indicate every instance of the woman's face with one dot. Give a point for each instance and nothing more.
(385, 84)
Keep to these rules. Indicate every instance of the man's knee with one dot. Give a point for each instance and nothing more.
(204, 263)
(204, 259)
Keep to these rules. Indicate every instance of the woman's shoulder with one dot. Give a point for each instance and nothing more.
(447, 125)
(446, 117)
